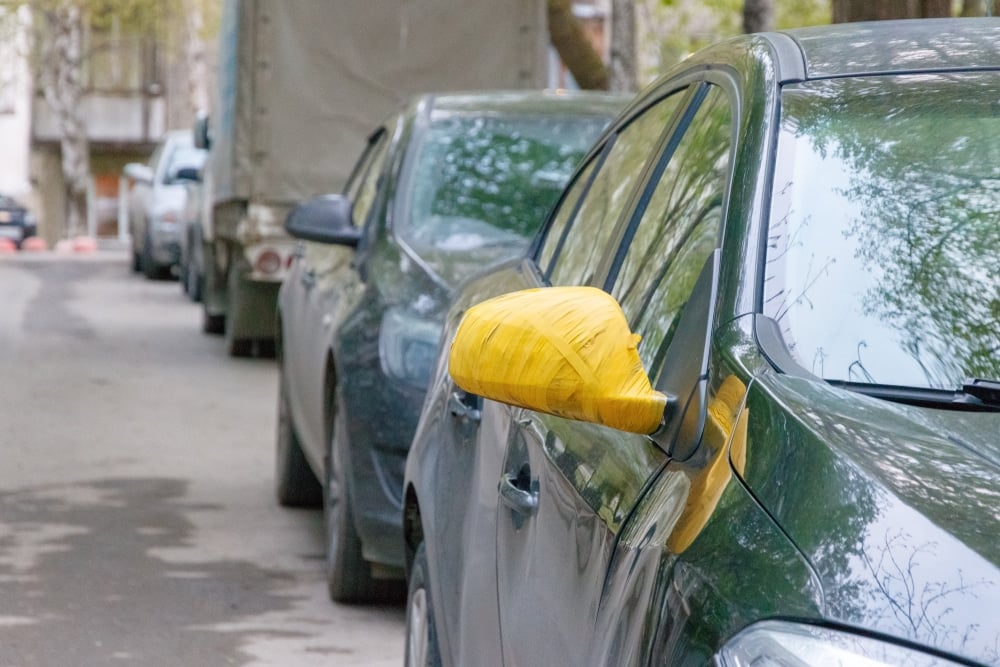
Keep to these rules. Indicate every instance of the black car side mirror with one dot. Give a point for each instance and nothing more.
(325, 219)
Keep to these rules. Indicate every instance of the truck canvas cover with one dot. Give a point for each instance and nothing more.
(303, 82)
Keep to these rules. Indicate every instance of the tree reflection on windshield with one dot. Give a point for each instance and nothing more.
(886, 228)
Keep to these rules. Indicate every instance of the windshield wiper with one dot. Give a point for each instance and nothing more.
(975, 394)
(987, 391)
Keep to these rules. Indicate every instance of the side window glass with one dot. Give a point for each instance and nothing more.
(566, 208)
(677, 229)
(368, 186)
(587, 239)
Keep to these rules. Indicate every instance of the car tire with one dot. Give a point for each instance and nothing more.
(295, 483)
(150, 268)
(136, 261)
(421, 632)
(348, 574)
(192, 282)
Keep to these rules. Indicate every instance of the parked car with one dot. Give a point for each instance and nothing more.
(725, 410)
(451, 185)
(16, 222)
(191, 263)
(156, 202)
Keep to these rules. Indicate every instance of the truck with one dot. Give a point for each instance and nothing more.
(300, 86)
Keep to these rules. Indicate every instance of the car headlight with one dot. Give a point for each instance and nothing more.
(408, 346)
(783, 644)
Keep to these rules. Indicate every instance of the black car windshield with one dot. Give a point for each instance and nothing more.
(882, 259)
(490, 180)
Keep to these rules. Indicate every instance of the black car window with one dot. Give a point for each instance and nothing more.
(363, 196)
(183, 157)
(562, 215)
(489, 180)
(590, 232)
(677, 224)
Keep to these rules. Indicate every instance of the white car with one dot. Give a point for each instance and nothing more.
(157, 200)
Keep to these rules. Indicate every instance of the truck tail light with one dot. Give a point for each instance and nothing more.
(268, 262)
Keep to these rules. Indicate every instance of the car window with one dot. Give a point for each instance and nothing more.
(183, 157)
(676, 225)
(363, 196)
(567, 207)
(490, 180)
(608, 194)
(883, 238)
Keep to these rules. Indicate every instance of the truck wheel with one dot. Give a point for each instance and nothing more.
(236, 346)
(212, 323)
(295, 483)
(421, 633)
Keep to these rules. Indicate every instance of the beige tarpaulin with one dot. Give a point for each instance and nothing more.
(303, 82)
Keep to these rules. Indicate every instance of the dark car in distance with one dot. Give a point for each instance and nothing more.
(452, 185)
(740, 402)
(16, 222)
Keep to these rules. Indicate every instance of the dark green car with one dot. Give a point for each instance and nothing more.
(452, 184)
(797, 459)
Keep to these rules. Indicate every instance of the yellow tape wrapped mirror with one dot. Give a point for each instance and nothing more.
(566, 351)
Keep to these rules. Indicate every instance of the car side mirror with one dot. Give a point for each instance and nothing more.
(566, 351)
(139, 172)
(325, 219)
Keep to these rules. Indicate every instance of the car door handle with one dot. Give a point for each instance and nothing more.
(522, 501)
(459, 407)
(307, 278)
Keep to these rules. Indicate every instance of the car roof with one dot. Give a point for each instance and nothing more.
(882, 47)
(531, 102)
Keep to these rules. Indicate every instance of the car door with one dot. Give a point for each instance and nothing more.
(321, 273)
(566, 487)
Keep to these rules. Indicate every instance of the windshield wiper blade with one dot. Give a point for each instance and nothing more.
(987, 391)
(975, 395)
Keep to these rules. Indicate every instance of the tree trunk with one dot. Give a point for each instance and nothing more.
(623, 48)
(574, 48)
(865, 10)
(194, 54)
(61, 48)
(758, 15)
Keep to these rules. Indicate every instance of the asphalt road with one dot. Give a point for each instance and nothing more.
(137, 517)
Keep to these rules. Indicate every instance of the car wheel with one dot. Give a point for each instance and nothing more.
(295, 483)
(136, 261)
(150, 268)
(193, 282)
(348, 575)
(421, 632)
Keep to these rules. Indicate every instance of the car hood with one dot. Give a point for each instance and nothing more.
(897, 508)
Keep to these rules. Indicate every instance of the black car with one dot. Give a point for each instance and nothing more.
(740, 403)
(16, 222)
(450, 186)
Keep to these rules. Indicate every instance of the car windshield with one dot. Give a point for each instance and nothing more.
(184, 157)
(885, 229)
(489, 181)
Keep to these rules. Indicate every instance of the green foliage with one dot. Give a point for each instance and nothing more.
(674, 29)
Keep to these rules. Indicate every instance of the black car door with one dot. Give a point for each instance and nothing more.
(567, 487)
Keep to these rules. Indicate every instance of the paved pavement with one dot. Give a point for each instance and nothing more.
(137, 520)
